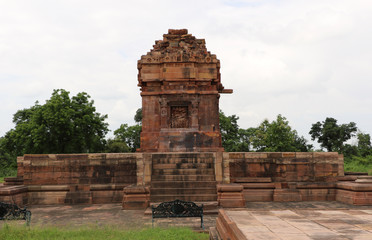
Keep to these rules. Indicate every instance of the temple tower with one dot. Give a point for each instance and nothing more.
(180, 88)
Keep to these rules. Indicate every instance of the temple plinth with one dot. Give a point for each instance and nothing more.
(180, 87)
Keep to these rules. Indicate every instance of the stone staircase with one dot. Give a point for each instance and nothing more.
(12, 181)
(184, 176)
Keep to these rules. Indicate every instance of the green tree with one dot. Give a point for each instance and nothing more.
(61, 125)
(116, 146)
(364, 144)
(130, 135)
(234, 139)
(332, 136)
(278, 136)
(8, 159)
(127, 138)
(138, 116)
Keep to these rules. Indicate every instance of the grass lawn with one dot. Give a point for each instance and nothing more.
(354, 167)
(7, 174)
(358, 164)
(10, 231)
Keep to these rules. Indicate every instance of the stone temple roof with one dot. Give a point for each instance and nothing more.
(179, 46)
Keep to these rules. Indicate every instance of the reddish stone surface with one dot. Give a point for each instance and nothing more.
(76, 178)
(226, 228)
(286, 167)
(136, 197)
(100, 178)
(180, 88)
(230, 195)
(13, 194)
(354, 193)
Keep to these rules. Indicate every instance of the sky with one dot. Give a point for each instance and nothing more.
(306, 60)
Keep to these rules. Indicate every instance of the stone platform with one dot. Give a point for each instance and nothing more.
(306, 220)
(231, 179)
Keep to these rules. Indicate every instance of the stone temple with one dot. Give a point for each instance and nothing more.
(181, 156)
(180, 87)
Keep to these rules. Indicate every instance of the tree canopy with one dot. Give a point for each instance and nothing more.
(275, 136)
(130, 135)
(278, 136)
(127, 138)
(234, 139)
(332, 136)
(61, 125)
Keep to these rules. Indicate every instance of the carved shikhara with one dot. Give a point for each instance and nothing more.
(180, 87)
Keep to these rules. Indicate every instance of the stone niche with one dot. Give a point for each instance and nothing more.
(180, 88)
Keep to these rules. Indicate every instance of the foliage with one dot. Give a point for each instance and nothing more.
(350, 150)
(127, 138)
(116, 146)
(130, 135)
(91, 233)
(8, 160)
(138, 116)
(278, 136)
(332, 136)
(358, 164)
(61, 125)
(275, 136)
(364, 144)
(234, 139)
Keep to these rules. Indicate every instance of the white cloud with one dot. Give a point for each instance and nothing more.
(306, 60)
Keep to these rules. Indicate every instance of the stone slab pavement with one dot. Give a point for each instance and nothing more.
(259, 220)
(304, 220)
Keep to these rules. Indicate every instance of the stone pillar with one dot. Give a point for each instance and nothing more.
(136, 197)
(218, 158)
(230, 195)
(140, 171)
(226, 167)
(341, 171)
(147, 159)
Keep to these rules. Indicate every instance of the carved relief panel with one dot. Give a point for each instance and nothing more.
(179, 117)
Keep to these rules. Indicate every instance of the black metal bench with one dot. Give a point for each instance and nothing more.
(177, 209)
(10, 211)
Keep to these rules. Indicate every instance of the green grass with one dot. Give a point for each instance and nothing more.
(7, 172)
(2, 178)
(8, 232)
(358, 164)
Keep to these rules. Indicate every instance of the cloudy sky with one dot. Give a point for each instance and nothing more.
(306, 60)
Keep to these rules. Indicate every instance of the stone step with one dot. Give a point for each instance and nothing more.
(12, 181)
(182, 166)
(182, 160)
(186, 197)
(182, 191)
(182, 184)
(181, 155)
(183, 178)
(191, 171)
(356, 173)
(252, 180)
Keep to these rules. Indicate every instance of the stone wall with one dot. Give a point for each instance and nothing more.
(287, 176)
(286, 166)
(77, 178)
(101, 178)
